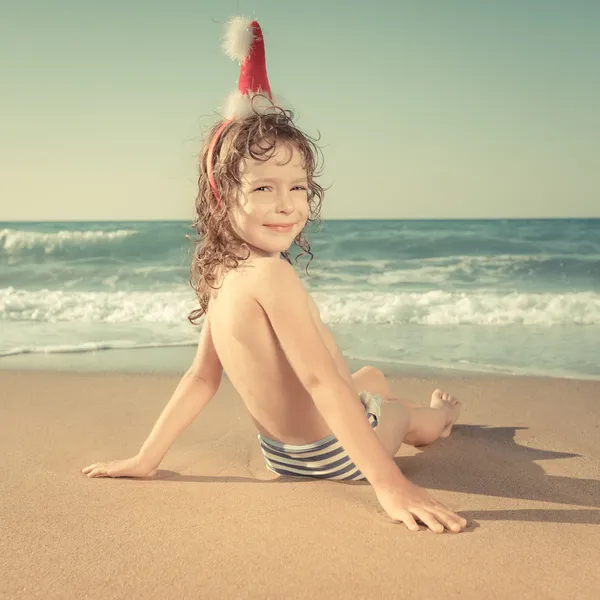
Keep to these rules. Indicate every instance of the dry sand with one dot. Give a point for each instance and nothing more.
(523, 466)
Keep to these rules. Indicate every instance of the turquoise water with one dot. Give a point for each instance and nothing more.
(496, 296)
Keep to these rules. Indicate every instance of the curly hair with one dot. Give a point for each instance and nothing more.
(254, 136)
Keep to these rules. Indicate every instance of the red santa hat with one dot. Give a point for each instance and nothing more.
(243, 42)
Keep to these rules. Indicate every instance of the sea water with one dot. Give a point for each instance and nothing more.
(499, 296)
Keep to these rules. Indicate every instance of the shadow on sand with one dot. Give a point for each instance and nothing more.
(477, 459)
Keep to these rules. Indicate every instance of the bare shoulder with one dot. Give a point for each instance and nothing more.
(280, 292)
(276, 278)
(269, 267)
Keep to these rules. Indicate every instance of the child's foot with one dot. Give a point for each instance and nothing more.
(448, 403)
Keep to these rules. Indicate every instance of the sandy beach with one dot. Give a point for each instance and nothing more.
(522, 466)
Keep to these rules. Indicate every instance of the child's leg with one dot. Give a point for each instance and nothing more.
(403, 421)
(400, 423)
(394, 424)
(372, 380)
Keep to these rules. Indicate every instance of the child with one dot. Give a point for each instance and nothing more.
(315, 419)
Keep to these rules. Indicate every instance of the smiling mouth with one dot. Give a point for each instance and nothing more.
(280, 227)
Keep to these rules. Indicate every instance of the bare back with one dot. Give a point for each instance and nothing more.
(256, 365)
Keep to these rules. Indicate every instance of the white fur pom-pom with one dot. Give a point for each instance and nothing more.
(238, 38)
(237, 106)
(240, 106)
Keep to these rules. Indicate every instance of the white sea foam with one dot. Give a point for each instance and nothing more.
(90, 347)
(458, 308)
(487, 269)
(480, 270)
(109, 307)
(422, 308)
(16, 240)
(337, 264)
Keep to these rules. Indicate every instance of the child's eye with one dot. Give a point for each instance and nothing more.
(266, 187)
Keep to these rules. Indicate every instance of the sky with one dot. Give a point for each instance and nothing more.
(425, 109)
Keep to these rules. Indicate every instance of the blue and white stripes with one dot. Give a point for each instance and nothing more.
(323, 459)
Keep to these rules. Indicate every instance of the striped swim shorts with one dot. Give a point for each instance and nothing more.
(323, 459)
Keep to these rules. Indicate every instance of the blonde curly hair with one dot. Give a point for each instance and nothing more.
(252, 137)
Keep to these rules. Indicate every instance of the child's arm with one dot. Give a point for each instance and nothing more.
(196, 388)
(189, 398)
(194, 391)
(278, 289)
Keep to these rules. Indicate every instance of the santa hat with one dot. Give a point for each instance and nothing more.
(243, 42)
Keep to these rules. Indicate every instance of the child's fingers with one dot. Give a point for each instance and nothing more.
(450, 520)
(92, 468)
(429, 520)
(129, 467)
(408, 520)
(447, 507)
(95, 470)
(450, 511)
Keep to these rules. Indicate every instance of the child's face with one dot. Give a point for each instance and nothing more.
(273, 192)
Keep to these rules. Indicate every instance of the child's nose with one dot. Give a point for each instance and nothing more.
(285, 201)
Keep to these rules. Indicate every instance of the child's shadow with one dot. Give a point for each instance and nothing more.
(486, 460)
(477, 459)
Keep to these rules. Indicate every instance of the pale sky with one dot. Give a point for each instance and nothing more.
(427, 109)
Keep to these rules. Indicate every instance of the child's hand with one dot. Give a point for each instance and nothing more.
(409, 501)
(130, 467)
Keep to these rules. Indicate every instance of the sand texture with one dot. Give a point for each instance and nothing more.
(523, 466)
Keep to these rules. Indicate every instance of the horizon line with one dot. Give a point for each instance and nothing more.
(322, 220)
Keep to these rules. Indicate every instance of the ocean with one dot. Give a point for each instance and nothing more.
(494, 296)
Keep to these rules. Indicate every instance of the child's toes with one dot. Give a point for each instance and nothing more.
(436, 399)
